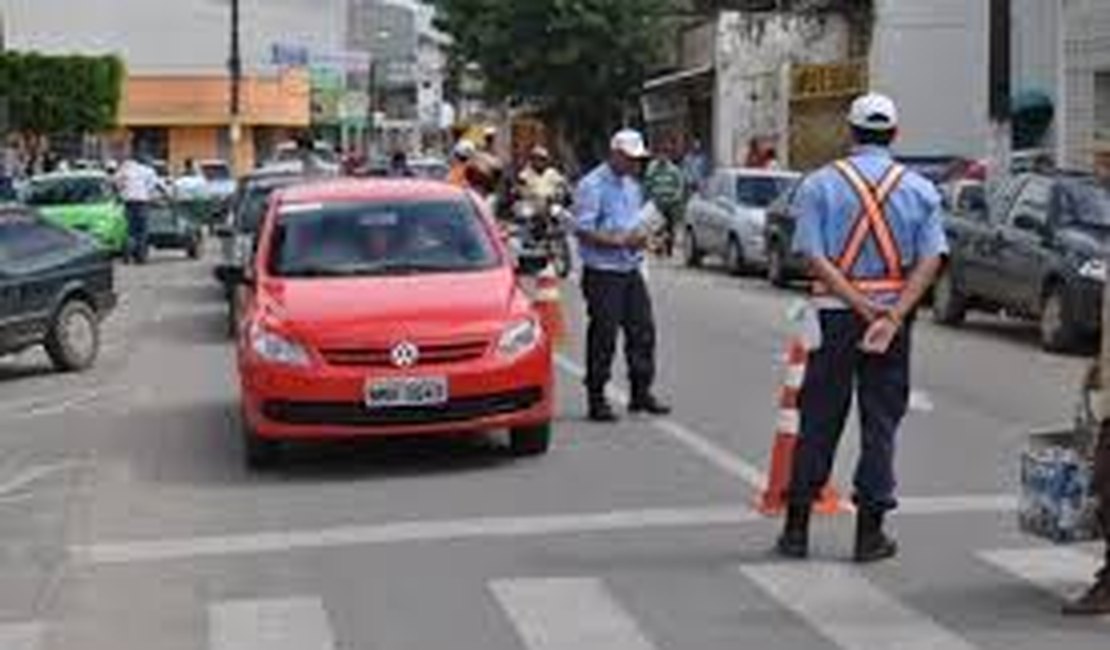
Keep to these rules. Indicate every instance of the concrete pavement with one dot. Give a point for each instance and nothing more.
(129, 521)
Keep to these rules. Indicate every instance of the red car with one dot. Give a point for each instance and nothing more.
(380, 307)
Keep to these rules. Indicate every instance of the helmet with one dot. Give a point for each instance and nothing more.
(464, 150)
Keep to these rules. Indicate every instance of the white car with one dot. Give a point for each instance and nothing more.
(726, 219)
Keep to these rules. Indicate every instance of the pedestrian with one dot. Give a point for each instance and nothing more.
(695, 165)
(399, 165)
(137, 183)
(461, 155)
(613, 236)
(665, 185)
(872, 232)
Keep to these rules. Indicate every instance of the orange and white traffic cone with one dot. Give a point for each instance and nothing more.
(548, 301)
(773, 499)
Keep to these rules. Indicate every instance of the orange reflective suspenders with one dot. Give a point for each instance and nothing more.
(871, 222)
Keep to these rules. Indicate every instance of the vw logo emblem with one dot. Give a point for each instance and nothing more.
(405, 355)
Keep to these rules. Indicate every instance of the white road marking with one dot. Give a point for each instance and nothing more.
(20, 636)
(1058, 570)
(32, 474)
(921, 402)
(970, 503)
(286, 624)
(568, 614)
(847, 609)
(446, 530)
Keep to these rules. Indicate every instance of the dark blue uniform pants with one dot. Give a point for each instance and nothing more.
(615, 302)
(137, 232)
(882, 386)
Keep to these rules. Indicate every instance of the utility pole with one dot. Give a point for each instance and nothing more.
(235, 72)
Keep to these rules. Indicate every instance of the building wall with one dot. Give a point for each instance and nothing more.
(752, 53)
(932, 57)
(1087, 54)
(198, 143)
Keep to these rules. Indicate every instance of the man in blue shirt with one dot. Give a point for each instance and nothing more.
(612, 238)
(874, 238)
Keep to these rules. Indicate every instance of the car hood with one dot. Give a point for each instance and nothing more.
(384, 310)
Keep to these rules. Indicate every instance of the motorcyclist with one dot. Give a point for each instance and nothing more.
(539, 180)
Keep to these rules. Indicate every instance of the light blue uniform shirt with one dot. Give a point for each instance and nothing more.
(606, 202)
(826, 208)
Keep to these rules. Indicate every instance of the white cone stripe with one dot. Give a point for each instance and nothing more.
(790, 421)
(1058, 570)
(846, 608)
(795, 376)
(567, 614)
(281, 624)
(20, 636)
(547, 295)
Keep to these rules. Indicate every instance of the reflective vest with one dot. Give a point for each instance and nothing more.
(871, 222)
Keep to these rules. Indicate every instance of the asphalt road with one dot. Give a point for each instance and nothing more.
(127, 519)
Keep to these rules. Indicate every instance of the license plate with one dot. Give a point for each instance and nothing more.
(413, 391)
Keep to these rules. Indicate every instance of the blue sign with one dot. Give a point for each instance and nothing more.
(289, 56)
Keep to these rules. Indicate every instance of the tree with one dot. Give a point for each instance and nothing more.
(581, 62)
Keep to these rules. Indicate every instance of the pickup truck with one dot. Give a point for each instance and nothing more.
(1038, 251)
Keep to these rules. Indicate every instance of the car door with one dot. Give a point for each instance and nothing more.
(701, 217)
(722, 205)
(34, 268)
(1021, 251)
(975, 246)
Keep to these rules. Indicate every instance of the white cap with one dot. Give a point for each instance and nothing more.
(873, 112)
(629, 142)
(465, 149)
(540, 151)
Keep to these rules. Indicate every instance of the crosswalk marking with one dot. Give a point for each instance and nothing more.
(568, 614)
(280, 624)
(20, 636)
(846, 608)
(1055, 569)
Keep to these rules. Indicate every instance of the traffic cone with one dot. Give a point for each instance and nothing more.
(773, 499)
(548, 301)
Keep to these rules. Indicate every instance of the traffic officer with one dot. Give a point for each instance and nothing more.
(872, 233)
(613, 236)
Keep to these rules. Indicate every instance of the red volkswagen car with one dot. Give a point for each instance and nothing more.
(382, 307)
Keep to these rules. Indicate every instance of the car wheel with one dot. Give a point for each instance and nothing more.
(776, 265)
(73, 341)
(1058, 330)
(259, 453)
(691, 252)
(530, 441)
(734, 257)
(949, 305)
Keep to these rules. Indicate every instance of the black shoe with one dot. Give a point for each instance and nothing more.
(600, 411)
(872, 544)
(794, 541)
(648, 404)
(1096, 602)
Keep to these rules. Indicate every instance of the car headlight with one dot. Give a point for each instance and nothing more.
(244, 246)
(1093, 269)
(519, 338)
(275, 348)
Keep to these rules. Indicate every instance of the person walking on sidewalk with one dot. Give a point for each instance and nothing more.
(873, 235)
(613, 236)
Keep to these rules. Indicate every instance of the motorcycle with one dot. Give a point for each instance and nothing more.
(545, 226)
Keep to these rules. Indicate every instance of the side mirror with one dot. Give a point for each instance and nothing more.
(529, 263)
(1029, 223)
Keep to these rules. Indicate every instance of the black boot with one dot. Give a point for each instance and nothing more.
(794, 541)
(647, 403)
(1096, 602)
(601, 411)
(872, 544)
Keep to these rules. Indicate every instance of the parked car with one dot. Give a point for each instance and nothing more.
(783, 264)
(218, 179)
(171, 226)
(84, 201)
(323, 154)
(727, 218)
(56, 286)
(385, 308)
(237, 234)
(1038, 252)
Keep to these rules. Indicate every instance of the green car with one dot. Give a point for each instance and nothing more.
(83, 201)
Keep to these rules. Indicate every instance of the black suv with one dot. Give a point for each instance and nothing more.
(56, 286)
(1039, 251)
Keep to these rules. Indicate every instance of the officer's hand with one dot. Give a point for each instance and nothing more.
(880, 335)
(638, 239)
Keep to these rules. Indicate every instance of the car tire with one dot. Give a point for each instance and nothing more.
(734, 257)
(1058, 329)
(691, 253)
(259, 453)
(530, 441)
(73, 341)
(776, 265)
(949, 305)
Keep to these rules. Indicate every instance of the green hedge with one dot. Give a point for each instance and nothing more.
(60, 94)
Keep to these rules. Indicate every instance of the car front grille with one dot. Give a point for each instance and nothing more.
(380, 357)
(355, 414)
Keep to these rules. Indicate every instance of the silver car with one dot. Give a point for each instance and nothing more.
(726, 218)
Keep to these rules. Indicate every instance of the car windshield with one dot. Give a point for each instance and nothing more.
(1085, 202)
(215, 172)
(760, 191)
(68, 191)
(380, 238)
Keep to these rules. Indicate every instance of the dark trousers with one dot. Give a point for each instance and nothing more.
(618, 301)
(137, 245)
(1102, 489)
(882, 386)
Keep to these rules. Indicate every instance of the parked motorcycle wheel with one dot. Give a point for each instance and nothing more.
(561, 256)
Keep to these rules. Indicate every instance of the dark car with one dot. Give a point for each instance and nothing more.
(1039, 252)
(56, 286)
(170, 226)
